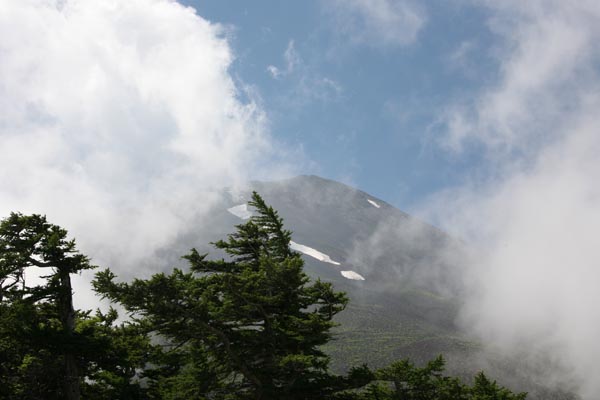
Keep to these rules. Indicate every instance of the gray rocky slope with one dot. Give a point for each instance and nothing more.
(406, 287)
(403, 297)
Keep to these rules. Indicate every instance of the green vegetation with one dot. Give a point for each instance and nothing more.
(48, 350)
(252, 326)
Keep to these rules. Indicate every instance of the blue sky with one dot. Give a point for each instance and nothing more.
(366, 113)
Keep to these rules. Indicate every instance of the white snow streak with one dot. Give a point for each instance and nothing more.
(241, 211)
(352, 275)
(309, 251)
(374, 204)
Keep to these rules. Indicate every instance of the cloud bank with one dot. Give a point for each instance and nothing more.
(534, 288)
(118, 117)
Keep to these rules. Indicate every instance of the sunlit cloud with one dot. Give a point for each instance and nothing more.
(118, 119)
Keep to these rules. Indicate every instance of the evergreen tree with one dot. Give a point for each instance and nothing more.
(402, 380)
(254, 321)
(49, 350)
(28, 241)
(247, 327)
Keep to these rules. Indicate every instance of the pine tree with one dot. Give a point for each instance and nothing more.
(30, 241)
(402, 380)
(255, 319)
(48, 349)
(247, 327)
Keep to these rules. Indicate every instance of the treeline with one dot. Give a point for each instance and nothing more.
(248, 327)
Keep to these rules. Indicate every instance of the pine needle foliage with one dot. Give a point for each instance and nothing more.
(48, 348)
(255, 317)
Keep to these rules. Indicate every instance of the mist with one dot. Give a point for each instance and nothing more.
(532, 287)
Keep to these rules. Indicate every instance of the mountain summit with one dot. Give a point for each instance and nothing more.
(394, 267)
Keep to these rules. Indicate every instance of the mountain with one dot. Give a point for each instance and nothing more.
(404, 306)
(403, 276)
(395, 268)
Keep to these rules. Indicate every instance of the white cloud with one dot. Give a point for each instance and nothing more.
(292, 60)
(377, 23)
(274, 71)
(117, 118)
(535, 284)
(306, 83)
(547, 65)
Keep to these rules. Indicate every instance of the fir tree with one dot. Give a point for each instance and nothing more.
(247, 327)
(255, 319)
(48, 349)
(402, 380)
(30, 241)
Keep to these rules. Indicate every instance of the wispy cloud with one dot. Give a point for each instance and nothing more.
(306, 83)
(535, 283)
(463, 59)
(376, 23)
(117, 119)
(547, 64)
(292, 60)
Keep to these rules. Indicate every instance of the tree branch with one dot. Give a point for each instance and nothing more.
(39, 263)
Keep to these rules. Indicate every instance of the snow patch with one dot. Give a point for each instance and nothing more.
(241, 211)
(309, 251)
(352, 275)
(373, 203)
